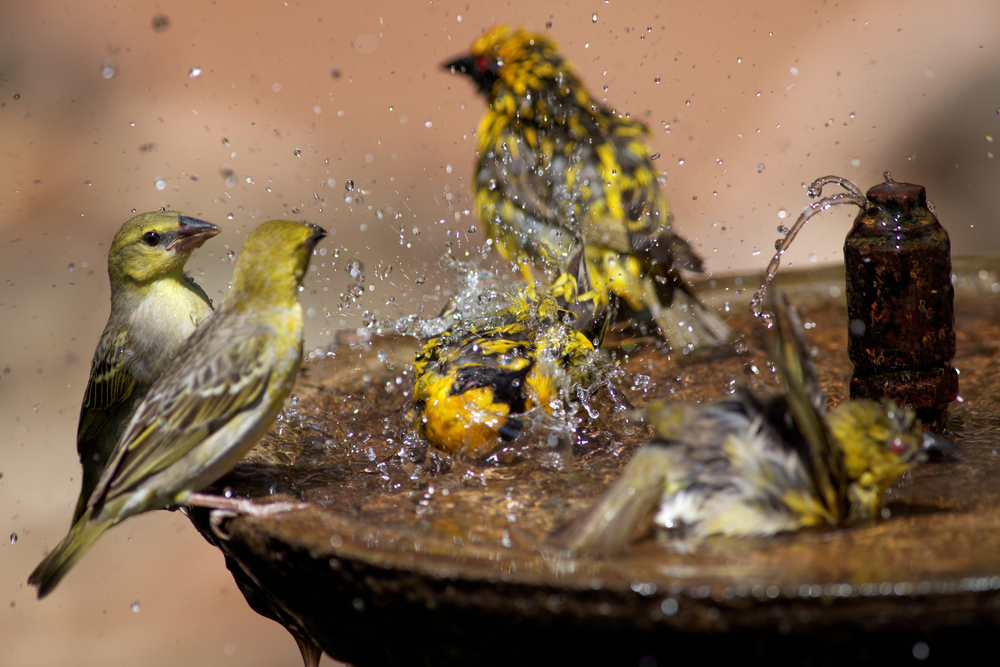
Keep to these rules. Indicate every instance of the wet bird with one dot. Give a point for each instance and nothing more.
(154, 309)
(212, 404)
(478, 383)
(560, 179)
(757, 465)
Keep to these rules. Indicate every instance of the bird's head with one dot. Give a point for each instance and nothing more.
(155, 245)
(880, 442)
(520, 59)
(274, 259)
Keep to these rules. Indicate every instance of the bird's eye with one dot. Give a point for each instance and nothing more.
(482, 64)
(151, 238)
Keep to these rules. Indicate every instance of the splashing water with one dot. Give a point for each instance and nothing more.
(815, 191)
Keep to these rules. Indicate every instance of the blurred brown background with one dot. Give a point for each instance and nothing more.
(101, 113)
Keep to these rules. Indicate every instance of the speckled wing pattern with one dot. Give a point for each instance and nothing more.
(195, 399)
(807, 403)
(110, 386)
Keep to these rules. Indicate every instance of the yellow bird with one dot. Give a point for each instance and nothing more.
(154, 309)
(560, 179)
(476, 384)
(213, 403)
(757, 465)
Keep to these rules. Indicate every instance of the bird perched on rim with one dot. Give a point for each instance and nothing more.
(559, 177)
(476, 383)
(212, 404)
(754, 465)
(154, 309)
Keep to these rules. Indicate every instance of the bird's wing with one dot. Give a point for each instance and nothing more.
(110, 385)
(198, 395)
(518, 170)
(807, 403)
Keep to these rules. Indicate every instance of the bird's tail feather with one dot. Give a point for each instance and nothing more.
(608, 526)
(686, 322)
(60, 560)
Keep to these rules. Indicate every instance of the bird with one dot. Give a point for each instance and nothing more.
(561, 179)
(212, 404)
(478, 382)
(155, 307)
(755, 466)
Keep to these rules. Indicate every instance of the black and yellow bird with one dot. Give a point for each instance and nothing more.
(478, 383)
(562, 179)
(756, 465)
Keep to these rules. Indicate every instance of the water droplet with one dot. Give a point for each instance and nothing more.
(135, 607)
(782, 213)
(108, 69)
(855, 162)
(428, 124)
(593, 19)
(194, 73)
(297, 152)
(276, 87)
(13, 538)
(71, 267)
(232, 255)
(739, 60)
(680, 161)
(471, 229)
(161, 23)
(656, 79)
(354, 268)
(160, 183)
(794, 71)
(654, 156)
(760, 168)
(349, 185)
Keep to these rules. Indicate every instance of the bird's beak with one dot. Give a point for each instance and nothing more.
(317, 235)
(462, 65)
(191, 234)
(936, 447)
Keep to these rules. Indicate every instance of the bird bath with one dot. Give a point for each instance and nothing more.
(407, 556)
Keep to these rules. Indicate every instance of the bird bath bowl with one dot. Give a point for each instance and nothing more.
(407, 556)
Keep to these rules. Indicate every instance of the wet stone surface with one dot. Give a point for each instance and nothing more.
(407, 556)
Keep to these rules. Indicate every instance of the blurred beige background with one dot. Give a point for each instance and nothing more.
(101, 114)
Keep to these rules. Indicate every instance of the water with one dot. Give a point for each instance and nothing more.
(815, 191)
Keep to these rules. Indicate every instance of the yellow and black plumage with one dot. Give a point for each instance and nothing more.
(476, 383)
(757, 465)
(560, 177)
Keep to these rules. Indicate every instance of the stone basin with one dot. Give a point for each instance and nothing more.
(406, 556)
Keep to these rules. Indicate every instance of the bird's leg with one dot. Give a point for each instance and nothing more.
(229, 508)
(241, 505)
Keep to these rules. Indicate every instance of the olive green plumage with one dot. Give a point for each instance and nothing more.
(215, 400)
(154, 309)
(757, 465)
